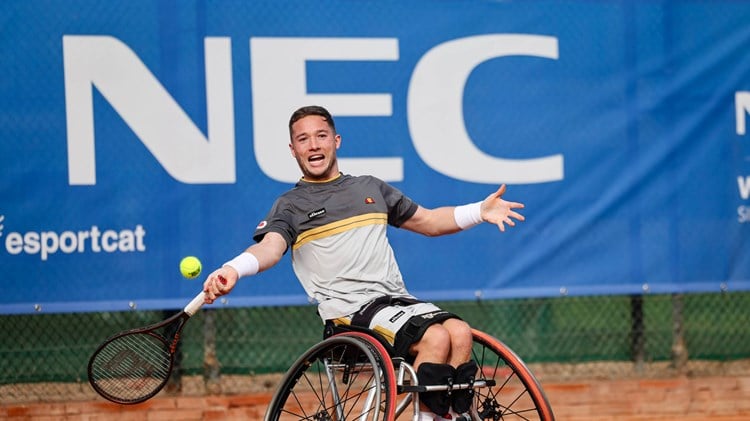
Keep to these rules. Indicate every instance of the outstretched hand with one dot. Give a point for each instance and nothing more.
(497, 211)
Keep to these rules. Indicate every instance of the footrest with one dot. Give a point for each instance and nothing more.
(408, 388)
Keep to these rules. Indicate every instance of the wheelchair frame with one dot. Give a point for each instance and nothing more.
(353, 376)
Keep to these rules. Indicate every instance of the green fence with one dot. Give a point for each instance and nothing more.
(234, 350)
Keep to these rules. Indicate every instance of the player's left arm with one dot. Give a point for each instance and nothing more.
(450, 219)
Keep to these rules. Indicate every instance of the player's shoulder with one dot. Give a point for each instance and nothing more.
(289, 197)
(362, 179)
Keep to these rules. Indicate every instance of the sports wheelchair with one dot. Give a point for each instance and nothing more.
(353, 376)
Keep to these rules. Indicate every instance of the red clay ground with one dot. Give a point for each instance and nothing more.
(725, 398)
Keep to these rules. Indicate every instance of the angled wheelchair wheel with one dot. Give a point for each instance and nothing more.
(514, 394)
(345, 377)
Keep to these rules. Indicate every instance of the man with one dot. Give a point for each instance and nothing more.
(335, 225)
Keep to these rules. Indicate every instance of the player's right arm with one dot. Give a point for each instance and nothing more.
(262, 255)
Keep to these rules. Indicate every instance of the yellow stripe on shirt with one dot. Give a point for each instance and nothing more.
(339, 227)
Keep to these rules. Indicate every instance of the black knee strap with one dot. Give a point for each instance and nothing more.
(461, 398)
(430, 374)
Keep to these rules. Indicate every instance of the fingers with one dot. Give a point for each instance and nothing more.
(507, 220)
(498, 194)
(215, 286)
(502, 212)
(507, 214)
(516, 215)
(496, 199)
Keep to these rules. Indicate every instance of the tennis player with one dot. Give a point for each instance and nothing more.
(335, 224)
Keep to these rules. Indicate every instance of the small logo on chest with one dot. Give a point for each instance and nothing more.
(316, 213)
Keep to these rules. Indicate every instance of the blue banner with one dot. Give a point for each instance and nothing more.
(136, 133)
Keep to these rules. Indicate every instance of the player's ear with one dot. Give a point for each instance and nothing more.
(337, 138)
(291, 149)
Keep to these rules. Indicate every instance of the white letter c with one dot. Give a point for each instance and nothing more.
(435, 111)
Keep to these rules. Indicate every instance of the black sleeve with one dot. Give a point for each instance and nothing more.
(400, 206)
(279, 220)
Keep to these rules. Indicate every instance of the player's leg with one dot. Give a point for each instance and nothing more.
(434, 346)
(443, 355)
(461, 341)
(465, 371)
(432, 352)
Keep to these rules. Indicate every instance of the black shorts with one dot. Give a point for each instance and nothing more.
(398, 321)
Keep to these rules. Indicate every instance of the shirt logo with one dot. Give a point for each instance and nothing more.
(316, 213)
(396, 316)
(369, 200)
(261, 225)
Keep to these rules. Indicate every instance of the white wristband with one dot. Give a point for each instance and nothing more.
(467, 216)
(245, 264)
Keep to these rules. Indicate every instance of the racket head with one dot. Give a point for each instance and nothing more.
(131, 367)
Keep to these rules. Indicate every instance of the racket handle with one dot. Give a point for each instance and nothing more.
(195, 304)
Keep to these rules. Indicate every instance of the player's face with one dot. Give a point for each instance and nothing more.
(314, 145)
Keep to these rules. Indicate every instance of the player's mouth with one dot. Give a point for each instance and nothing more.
(315, 158)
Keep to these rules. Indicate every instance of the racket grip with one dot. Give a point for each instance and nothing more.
(195, 304)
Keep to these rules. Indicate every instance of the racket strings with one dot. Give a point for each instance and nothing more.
(132, 367)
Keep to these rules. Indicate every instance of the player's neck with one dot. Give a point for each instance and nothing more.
(322, 180)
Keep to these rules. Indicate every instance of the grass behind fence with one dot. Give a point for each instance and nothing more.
(56, 347)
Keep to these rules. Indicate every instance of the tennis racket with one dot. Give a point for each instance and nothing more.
(133, 366)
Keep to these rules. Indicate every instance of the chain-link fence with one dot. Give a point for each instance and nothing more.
(244, 350)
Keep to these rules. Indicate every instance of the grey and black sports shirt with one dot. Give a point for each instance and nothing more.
(337, 232)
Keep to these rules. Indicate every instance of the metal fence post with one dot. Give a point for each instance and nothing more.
(679, 348)
(211, 366)
(637, 332)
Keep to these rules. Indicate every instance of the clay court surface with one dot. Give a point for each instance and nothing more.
(723, 396)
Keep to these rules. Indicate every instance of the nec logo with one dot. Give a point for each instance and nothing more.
(434, 106)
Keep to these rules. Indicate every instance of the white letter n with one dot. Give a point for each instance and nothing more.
(147, 108)
(741, 107)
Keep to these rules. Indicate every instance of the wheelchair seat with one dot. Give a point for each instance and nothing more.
(332, 329)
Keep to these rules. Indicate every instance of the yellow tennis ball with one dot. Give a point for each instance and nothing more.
(190, 267)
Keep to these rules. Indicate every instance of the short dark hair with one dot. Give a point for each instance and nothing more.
(311, 110)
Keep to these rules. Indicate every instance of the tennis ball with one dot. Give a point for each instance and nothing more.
(190, 267)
